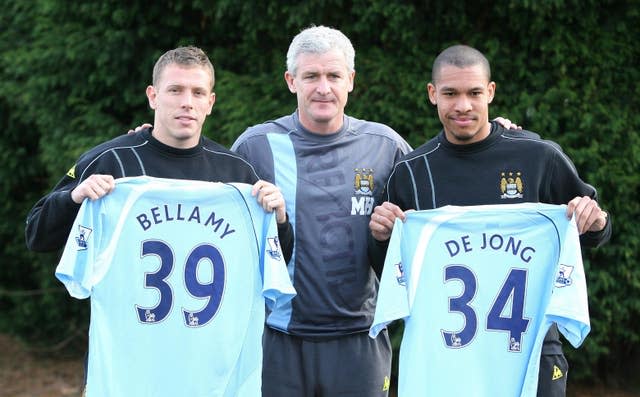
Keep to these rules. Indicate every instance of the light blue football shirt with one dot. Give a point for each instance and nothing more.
(478, 287)
(178, 273)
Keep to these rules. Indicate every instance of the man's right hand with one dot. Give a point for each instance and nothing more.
(382, 219)
(93, 187)
(271, 199)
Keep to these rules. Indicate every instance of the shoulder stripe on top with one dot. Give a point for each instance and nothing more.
(235, 156)
(142, 169)
(112, 150)
(552, 145)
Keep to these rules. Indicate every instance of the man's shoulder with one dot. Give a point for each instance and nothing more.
(228, 165)
(373, 128)
(530, 139)
(516, 134)
(282, 125)
(210, 144)
(215, 149)
(370, 127)
(426, 148)
(520, 134)
(125, 141)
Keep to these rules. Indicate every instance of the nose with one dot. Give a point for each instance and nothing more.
(187, 100)
(323, 86)
(463, 103)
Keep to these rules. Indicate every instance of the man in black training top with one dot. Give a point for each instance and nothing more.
(470, 162)
(182, 97)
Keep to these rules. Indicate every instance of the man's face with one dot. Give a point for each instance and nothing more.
(322, 84)
(181, 100)
(462, 96)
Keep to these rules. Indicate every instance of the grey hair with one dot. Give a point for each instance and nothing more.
(184, 56)
(460, 56)
(319, 40)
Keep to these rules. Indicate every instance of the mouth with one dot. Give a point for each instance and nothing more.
(185, 120)
(322, 100)
(463, 120)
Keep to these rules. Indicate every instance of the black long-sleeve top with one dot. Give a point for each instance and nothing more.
(49, 221)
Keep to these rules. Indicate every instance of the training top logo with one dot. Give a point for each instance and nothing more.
(274, 248)
(72, 172)
(362, 201)
(363, 181)
(511, 185)
(82, 237)
(563, 279)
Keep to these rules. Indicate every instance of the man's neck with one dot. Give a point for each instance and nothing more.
(175, 142)
(322, 128)
(460, 139)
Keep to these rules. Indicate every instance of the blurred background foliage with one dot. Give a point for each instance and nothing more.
(73, 74)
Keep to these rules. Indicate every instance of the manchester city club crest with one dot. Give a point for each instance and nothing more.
(511, 185)
(363, 181)
(362, 201)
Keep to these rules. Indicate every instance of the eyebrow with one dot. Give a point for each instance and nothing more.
(179, 85)
(475, 88)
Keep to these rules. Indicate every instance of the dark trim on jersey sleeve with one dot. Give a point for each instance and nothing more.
(286, 237)
(377, 251)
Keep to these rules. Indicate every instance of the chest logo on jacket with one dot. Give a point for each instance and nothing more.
(362, 202)
(511, 185)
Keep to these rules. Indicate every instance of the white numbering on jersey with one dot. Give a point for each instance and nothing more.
(157, 280)
(513, 291)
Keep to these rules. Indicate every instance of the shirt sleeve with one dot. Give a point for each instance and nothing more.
(76, 267)
(393, 302)
(277, 287)
(568, 307)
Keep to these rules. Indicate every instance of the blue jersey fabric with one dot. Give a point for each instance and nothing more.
(478, 287)
(178, 273)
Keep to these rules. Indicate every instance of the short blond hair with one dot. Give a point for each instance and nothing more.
(184, 56)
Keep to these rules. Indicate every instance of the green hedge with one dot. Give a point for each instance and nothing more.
(72, 75)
